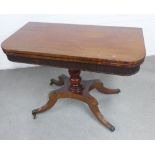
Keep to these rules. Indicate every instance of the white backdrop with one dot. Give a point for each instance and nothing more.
(11, 23)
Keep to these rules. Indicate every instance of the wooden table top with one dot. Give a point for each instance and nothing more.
(96, 45)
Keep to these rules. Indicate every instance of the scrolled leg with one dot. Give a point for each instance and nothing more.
(93, 105)
(51, 102)
(74, 87)
(101, 88)
(58, 82)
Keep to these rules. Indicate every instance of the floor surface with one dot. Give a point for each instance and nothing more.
(132, 111)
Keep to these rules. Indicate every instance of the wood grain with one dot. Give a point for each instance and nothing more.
(109, 69)
(102, 45)
(113, 50)
(66, 91)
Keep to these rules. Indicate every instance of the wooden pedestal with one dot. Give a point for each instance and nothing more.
(76, 88)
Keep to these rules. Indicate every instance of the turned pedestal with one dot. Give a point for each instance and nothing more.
(74, 87)
(104, 49)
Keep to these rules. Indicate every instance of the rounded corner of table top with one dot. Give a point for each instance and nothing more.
(67, 49)
(3, 46)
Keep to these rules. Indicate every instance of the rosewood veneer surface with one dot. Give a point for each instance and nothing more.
(116, 50)
(113, 50)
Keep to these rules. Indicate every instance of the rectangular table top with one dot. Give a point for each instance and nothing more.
(100, 45)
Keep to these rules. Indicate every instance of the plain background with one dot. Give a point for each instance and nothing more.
(77, 7)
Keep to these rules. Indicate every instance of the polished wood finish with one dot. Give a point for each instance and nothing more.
(124, 71)
(80, 92)
(75, 81)
(117, 47)
(112, 50)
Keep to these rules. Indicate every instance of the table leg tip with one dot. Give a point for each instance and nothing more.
(34, 112)
(112, 129)
(118, 90)
(51, 83)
